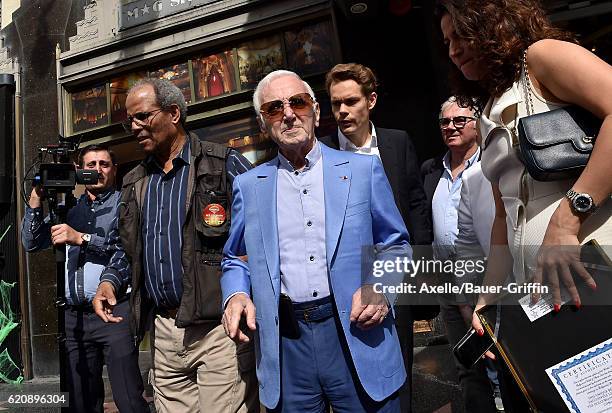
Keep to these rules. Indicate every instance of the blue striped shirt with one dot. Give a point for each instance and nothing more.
(84, 264)
(163, 217)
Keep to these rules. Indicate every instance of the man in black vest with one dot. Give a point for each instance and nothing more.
(352, 89)
(174, 217)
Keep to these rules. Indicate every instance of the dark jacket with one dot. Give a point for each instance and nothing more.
(202, 244)
(399, 160)
(431, 171)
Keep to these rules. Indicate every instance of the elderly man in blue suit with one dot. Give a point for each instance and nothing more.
(321, 327)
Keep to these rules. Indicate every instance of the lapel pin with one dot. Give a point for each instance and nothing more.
(344, 177)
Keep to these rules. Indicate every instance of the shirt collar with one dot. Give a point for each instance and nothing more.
(184, 155)
(468, 163)
(102, 196)
(311, 158)
(346, 144)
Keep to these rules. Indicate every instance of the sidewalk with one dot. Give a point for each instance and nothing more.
(435, 388)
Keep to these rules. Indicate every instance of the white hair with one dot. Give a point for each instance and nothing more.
(448, 103)
(263, 83)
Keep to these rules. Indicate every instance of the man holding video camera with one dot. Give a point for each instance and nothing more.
(89, 341)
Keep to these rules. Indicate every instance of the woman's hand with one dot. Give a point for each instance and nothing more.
(476, 325)
(559, 256)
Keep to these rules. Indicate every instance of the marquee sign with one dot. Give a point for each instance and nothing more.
(139, 12)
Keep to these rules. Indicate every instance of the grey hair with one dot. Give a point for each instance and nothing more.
(263, 83)
(449, 102)
(166, 94)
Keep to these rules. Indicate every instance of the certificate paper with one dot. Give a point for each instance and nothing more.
(539, 309)
(584, 381)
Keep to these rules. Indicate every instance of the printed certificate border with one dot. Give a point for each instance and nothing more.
(555, 372)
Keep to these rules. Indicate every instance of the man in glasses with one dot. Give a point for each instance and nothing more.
(352, 90)
(89, 342)
(444, 177)
(174, 218)
(302, 219)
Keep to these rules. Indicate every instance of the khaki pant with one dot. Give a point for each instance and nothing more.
(199, 368)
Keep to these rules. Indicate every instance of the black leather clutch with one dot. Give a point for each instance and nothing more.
(557, 144)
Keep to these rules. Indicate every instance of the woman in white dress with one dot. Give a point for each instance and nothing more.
(508, 57)
(508, 61)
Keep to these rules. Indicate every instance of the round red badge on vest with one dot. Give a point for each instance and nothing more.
(213, 215)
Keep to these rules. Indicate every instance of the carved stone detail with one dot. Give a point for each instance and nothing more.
(97, 25)
(7, 63)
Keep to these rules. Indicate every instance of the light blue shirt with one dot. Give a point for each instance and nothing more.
(300, 207)
(445, 206)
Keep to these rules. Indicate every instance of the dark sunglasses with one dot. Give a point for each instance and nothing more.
(301, 104)
(141, 118)
(458, 121)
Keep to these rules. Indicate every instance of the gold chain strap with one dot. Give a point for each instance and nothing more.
(527, 85)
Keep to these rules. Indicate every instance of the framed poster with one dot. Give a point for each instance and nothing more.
(119, 87)
(257, 58)
(214, 75)
(309, 49)
(177, 74)
(89, 109)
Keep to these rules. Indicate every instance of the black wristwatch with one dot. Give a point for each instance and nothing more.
(581, 202)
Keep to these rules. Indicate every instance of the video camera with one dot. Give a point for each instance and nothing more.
(61, 175)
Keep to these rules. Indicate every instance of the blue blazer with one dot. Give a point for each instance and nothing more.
(359, 210)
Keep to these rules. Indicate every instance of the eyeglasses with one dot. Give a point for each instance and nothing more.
(141, 118)
(301, 104)
(458, 121)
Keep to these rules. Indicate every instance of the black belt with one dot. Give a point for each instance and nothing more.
(316, 310)
(83, 308)
(88, 306)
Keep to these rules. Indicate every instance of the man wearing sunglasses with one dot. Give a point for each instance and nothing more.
(456, 236)
(352, 90)
(302, 219)
(174, 218)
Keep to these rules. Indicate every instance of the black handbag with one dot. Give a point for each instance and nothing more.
(557, 144)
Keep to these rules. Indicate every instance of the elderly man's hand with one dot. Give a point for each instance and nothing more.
(237, 306)
(105, 301)
(369, 308)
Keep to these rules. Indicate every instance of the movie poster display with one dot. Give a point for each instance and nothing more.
(257, 58)
(89, 109)
(309, 49)
(177, 74)
(119, 87)
(214, 75)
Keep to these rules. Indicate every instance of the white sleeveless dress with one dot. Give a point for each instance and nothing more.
(529, 203)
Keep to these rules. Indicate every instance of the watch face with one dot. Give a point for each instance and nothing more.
(583, 203)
